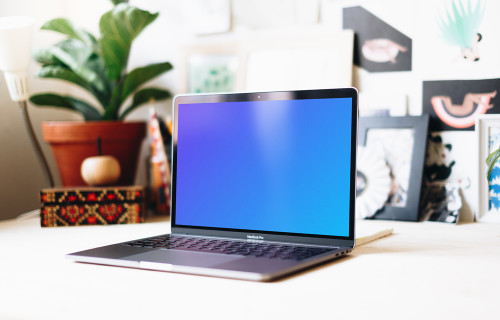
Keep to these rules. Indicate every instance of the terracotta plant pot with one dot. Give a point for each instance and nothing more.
(72, 142)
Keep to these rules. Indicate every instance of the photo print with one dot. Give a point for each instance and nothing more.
(378, 47)
(448, 189)
(401, 144)
(455, 104)
(441, 201)
(397, 147)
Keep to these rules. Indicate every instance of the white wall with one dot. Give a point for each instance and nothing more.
(20, 176)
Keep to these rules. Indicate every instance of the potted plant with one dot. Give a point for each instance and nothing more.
(98, 65)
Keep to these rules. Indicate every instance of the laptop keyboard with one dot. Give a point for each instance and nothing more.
(245, 248)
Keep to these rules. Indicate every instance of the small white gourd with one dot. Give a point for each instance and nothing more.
(100, 170)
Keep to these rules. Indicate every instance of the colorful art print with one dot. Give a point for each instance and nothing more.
(488, 138)
(407, 168)
(160, 142)
(494, 180)
(455, 104)
(459, 27)
(378, 47)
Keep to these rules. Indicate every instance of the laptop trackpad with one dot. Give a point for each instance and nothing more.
(184, 258)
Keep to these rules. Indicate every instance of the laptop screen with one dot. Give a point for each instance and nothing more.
(265, 164)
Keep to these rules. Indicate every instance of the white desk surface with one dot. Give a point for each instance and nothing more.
(422, 271)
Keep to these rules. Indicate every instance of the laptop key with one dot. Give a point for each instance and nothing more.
(267, 250)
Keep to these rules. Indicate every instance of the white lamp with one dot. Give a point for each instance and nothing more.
(15, 56)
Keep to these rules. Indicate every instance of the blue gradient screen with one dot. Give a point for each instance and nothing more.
(281, 166)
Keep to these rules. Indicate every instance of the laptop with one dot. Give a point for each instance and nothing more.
(263, 186)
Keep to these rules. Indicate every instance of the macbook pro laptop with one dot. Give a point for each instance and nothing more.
(263, 185)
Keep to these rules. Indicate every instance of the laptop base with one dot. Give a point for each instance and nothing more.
(201, 263)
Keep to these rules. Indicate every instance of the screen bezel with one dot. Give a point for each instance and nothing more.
(269, 235)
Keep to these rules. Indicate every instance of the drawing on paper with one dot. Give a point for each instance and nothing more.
(494, 181)
(455, 104)
(460, 27)
(462, 115)
(382, 50)
(378, 46)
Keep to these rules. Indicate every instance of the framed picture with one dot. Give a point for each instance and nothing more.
(211, 66)
(212, 73)
(449, 189)
(488, 141)
(402, 141)
(266, 61)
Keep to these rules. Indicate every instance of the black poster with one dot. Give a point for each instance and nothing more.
(455, 104)
(378, 47)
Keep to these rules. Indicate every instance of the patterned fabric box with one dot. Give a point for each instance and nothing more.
(91, 206)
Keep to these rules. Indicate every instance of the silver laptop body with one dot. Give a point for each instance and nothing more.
(261, 169)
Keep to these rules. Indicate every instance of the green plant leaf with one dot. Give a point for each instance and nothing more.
(111, 110)
(66, 102)
(139, 76)
(45, 56)
(65, 74)
(76, 56)
(62, 73)
(144, 96)
(72, 61)
(119, 27)
(116, 2)
(66, 27)
(96, 63)
(491, 160)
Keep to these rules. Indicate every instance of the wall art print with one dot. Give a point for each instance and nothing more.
(488, 140)
(402, 142)
(455, 104)
(373, 181)
(441, 200)
(212, 73)
(494, 181)
(397, 147)
(460, 24)
(448, 190)
(378, 47)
